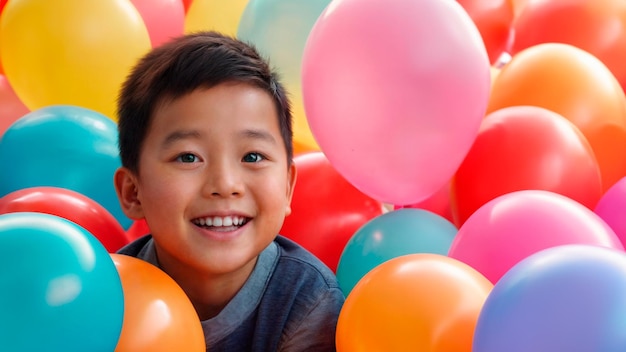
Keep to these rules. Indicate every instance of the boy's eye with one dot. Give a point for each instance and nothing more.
(187, 158)
(252, 158)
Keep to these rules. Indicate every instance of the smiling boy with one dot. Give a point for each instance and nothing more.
(206, 146)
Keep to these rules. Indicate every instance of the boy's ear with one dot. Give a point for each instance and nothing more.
(292, 175)
(126, 188)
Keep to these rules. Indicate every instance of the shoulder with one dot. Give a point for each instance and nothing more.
(295, 259)
(134, 248)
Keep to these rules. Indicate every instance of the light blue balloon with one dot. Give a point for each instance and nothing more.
(279, 30)
(60, 289)
(564, 298)
(63, 146)
(399, 232)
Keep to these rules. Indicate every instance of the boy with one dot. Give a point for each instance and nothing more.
(206, 146)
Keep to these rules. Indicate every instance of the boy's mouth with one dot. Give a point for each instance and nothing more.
(221, 223)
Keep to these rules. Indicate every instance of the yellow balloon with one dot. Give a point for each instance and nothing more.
(71, 52)
(303, 139)
(218, 15)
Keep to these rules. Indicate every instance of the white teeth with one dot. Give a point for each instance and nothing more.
(217, 221)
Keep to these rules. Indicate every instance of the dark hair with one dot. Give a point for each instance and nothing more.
(186, 63)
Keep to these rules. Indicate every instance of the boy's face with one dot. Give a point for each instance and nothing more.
(213, 184)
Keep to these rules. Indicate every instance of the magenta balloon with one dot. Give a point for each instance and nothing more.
(394, 92)
(513, 226)
(612, 208)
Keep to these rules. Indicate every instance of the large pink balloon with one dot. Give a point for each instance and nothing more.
(515, 225)
(612, 208)
(394, 92)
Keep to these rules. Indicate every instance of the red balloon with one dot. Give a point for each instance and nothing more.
(69, 205)
(494, 20)
(11, 107)
(525, 148)
(438, 203)
(138, 229)
(326, 209)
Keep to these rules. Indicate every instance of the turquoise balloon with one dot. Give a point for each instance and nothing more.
(60, 288)
(63, 146)
(279, 30)
(390, 235)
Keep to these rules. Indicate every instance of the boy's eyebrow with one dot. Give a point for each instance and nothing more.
(179, 135)
(192, 134)
(258, 134)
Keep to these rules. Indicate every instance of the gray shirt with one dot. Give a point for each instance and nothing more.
(290, 302)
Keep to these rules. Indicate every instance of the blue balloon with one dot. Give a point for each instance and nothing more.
(279, 30)
(63, 146)
(399, 232)
(564, 298)
(60, 288)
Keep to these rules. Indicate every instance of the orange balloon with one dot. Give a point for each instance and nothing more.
(578, 86)
(158, 316)
(596, 26)
(494, 20)
(416, 302)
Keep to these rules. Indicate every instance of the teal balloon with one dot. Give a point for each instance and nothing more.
(393, 234)
(60, 288)
(63, 146)
(279, 30)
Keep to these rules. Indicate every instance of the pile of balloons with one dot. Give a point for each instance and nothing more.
(467, 185)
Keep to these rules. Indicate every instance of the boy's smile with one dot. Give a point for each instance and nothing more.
(213, 183)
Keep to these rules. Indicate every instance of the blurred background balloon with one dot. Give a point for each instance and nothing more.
(438, 203)
(70, 52)
(60, 288)
(69, 205)
(326, 209)
(186, 4)
(494, 20)
(612, 208)
(513, 226)
(279, 29)
(218, 15)
(525, 147)
(164, 19)
(595, 26)
(158, 316)
(11, 107)
(138, 229)
(63, 146)
(415, 302)
(380, 108)
(565, 298)
(576, 85)
(390, 235)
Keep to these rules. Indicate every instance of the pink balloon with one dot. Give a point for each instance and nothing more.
(394, 92)
(612, 208)
(164, 19)
(513, 226)
(11, 107)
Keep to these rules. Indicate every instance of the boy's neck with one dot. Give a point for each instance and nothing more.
(208, 293)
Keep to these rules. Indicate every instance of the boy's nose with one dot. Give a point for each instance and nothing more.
(223, 180)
